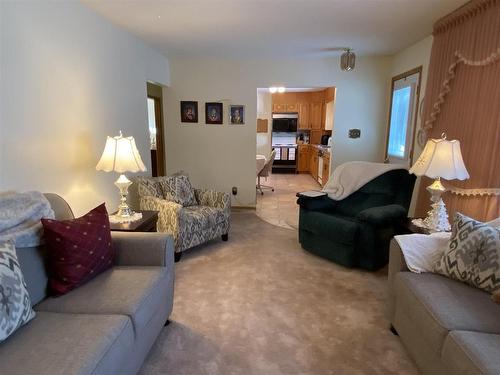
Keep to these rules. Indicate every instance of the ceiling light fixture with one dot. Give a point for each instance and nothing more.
(274, 89)
(347, 60)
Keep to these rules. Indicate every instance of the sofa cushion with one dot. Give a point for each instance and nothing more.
(201, 217)
(438, 305)
(61, 344)
(78, 249)
(467, 353)
(338, 228)
(15, 304)
(473, 254)
(132, 291)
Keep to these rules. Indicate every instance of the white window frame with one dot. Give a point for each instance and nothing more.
(410, 78)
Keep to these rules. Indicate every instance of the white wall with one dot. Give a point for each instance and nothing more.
(224, 156)
(69, 79)
(416, 55)
(265, 111)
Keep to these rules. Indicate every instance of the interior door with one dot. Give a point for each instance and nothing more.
(401, 130)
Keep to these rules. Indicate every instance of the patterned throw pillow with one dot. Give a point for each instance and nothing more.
(473, 254)
(178, 189)
(15, 304)
(149, 187)
(78, 249)
(168, 187)
(185, 191)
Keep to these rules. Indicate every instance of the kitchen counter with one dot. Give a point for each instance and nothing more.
(323, 148)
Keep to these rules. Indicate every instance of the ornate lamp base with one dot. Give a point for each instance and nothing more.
(124, 211)
(437, 217)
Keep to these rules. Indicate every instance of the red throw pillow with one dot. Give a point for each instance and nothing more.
(78, 249)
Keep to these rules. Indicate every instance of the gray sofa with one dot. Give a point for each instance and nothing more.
(446, 326)
(108, 325)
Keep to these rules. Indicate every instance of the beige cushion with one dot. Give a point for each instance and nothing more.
(130, 291)
(63, 344)
(437, 305)
(468, 353)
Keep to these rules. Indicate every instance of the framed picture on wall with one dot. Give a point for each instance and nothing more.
(237, 114)
(189, 111)
(213, 113)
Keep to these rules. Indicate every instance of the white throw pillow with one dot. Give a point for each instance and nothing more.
(15, 303)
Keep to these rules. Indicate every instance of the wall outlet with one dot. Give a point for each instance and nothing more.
(354, 133)
(235, 190)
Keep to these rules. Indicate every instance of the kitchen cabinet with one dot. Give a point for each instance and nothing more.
(304, 116)
(286, 107)
(279, 107)
(326, 168)
(316, 115)
(313, 163)
(315, 136)
(303, 158)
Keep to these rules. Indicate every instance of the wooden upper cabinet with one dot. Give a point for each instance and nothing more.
(316, 115)
(304, 116)
(292, 107)
(279, 107)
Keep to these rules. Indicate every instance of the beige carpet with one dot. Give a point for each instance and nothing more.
(259, 304)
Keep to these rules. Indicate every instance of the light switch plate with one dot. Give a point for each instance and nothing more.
(354, 133)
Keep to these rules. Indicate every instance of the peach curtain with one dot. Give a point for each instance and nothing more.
(471, 110)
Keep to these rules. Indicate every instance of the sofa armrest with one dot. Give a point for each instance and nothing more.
(322, 203)
(212, 198)
(143, 249)
(383, 215)
(168, 213)
(397, 264)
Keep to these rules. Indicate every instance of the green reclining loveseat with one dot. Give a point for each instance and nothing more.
(356, 231)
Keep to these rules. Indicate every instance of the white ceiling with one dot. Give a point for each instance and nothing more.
(275, 28)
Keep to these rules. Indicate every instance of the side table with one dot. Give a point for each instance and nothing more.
(407, 227)
(146, 224)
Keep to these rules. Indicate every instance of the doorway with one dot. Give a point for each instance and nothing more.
(293, 154)
(405, 91)
(155, 126)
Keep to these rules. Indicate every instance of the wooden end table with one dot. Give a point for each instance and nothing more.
(146, 224)
(409, 228)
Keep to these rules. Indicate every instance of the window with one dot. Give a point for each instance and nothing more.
(403, 112)
(152, 123)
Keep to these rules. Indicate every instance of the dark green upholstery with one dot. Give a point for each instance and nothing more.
(356, 231)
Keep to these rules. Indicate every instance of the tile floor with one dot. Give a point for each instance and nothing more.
(280, 207)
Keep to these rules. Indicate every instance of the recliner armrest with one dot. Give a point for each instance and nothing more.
(322, 203)
(383, 215)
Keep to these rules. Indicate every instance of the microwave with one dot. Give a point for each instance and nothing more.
(285, 122)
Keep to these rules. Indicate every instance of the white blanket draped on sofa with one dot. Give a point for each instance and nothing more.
(349, 177)
(20, 215)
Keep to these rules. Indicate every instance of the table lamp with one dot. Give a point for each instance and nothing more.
(440, 159)
(121, 155)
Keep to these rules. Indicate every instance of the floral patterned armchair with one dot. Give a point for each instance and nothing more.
(191, 216)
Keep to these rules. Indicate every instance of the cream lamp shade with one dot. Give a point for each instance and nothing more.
(441, 159)
(120, 155)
